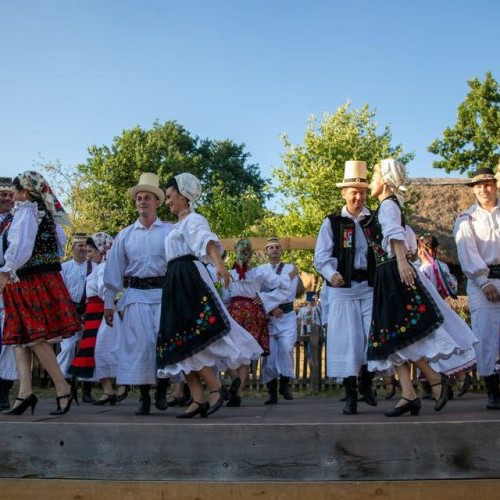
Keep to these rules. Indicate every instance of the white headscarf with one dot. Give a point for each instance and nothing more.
(393, 173)
(190, 187)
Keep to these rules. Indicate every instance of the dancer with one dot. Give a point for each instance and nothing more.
(38, 308)
(138, 253)
(8, 372)
(85, 364)
(282, 326)
(478, 244)
(197, 334)
(342, 256)
(410, 321)
(74, 274)
(247, 308)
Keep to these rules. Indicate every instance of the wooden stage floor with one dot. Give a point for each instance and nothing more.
(306, 439)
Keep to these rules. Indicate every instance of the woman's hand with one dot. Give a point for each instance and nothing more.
(223, 274)
(406, 273)
(4, 279)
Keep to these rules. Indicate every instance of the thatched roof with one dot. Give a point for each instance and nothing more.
(439, 201)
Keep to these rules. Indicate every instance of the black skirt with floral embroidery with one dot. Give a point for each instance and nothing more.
(401, 314)
(191, 316)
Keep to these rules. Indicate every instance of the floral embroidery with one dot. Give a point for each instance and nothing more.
(205, 318)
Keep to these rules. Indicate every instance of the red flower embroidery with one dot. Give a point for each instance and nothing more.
(212, 320)
(422, 308)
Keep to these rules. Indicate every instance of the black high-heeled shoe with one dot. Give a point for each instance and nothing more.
(31, 400)
(201, 409)
(72, 396)
(110, 398)
(123, 395)
(218, 404)
(443, 398)
(413, 406)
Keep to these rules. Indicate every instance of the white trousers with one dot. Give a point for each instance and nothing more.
(282, 338)
(348, 328)
(138, 333)
(68, 351)
(8, 369)
(485, 318)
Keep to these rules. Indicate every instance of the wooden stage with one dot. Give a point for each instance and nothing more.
(304, 443)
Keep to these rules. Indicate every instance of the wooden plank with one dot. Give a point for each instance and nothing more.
(222, 451)
(287, 242)
(154, 490)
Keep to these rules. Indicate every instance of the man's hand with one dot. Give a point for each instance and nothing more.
(491, 292)
(108, 316)
(277, 312)
(337, 280)
(258, 301)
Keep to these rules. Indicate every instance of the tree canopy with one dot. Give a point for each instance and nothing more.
(307, 179)
(97, 193)
(474, 141)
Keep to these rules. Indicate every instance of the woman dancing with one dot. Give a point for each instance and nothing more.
(197, 334)
(247, 308)
(410, 321)
(38, 308)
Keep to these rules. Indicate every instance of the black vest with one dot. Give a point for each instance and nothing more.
(344, 246)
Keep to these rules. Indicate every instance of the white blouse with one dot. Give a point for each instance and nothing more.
(389, 217)
(95, 282)
(74, 276)
(21, 236)
(191, 236)
(255, 280)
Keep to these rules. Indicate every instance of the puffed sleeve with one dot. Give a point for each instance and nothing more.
(101, 289)
(21, 237)
(114, 270)
(269, 279)
(473, 266)
(389, 216)
(197, 235)
(324, 262)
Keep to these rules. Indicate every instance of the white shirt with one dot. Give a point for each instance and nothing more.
(324, 262)
(272, 298)
(255, 280)
(74, 276)
(477, 235)
(137, 251)
(95, 281)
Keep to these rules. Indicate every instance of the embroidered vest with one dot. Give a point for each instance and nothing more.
(344, 246)
(45, 255)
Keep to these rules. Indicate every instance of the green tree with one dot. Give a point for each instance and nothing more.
(307, 179)
(474, 141)
(97, 189)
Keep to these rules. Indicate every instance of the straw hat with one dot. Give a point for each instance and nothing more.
(150, 183)
(480, 175)
(355, 175)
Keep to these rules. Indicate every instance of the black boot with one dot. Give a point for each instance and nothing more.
(145, 401)
(493, 390)
(87, 392)
(272, 390)
(285, 389)
(161, 393)
(351, 402)
(366, 386)
(5, 387)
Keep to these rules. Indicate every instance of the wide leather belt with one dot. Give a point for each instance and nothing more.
(359, 275)
(146, 283)
(287, 307)
(494, 272)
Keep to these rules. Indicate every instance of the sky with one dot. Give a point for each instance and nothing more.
(76, 74)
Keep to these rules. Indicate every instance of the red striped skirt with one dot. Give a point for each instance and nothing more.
(252, 318)
(83, 363)
(38, 307)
